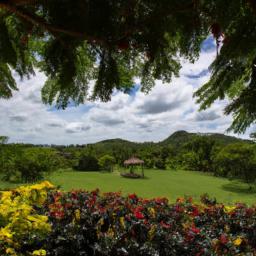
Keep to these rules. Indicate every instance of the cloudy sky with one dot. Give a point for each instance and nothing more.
(136, 117)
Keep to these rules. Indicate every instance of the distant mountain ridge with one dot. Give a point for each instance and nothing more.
(179, 138)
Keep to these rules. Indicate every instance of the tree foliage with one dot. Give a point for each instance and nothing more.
(199, 154)
(106, 162)
(88, 163)
(112, 42)
(4, 139)
(19, 164)
(237, 160)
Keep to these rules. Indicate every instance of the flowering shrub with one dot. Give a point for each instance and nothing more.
(90, 223)
(87, 223)
(22, 227)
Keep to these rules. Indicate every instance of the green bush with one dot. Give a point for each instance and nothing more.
(30, 164)
(87, 163)
(106, 163)
(237, 161)
(160, 163)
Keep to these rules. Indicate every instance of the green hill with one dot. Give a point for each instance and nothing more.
(176, 139)
(180, 137)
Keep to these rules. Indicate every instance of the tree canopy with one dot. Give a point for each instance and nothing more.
(113, 42)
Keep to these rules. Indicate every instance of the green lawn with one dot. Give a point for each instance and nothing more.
(169, 183)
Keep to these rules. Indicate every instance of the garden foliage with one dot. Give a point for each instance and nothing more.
(90, 223)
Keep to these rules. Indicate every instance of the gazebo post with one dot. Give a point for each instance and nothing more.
(131, 169)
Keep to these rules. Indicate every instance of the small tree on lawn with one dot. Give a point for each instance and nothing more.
(107, 162)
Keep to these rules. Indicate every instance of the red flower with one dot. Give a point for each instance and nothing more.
(162, 200)
(195, 230)
(223, 239)
(139, 209)
(95, 192)
(249, 211)
(58, 205)
(132, 196)
(165, 225)
(58, 214)
(68, 205)
(189, 199)
(195, 211)
(74, 195)
(139, 215)
(179, 209)
(145, 201)
(145, 222)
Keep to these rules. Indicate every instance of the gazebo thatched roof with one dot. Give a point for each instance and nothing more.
(133, 161)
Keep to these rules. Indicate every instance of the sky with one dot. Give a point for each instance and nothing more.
(135, 116)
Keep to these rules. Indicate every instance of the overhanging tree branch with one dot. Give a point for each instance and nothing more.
(54, 30)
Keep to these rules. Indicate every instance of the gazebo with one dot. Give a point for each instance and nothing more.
(132, 163)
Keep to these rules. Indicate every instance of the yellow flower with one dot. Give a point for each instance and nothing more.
(101, 221)
(5, 233)
(19, 218)
(226, 228)
(10, 251)
(228, 209)
(42, 185)
(77, 214)
(152, 212)
(180, 200)
(6, 195)
(111, 232)
(47, 184)
(186, 224)
(151, 233)
(122, 222)
(238, 241)
(40, 252)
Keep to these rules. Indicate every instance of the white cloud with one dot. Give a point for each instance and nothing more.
(76, 127)
(153, 117)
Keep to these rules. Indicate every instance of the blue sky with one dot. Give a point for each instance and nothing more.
(133, 116)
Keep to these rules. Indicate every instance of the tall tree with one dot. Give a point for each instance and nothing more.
(112, 42)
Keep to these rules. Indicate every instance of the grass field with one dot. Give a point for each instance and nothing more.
(168, 183)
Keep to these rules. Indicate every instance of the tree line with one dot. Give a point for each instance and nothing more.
(26, 163)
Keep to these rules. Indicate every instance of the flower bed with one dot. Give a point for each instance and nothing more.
(90, 223)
